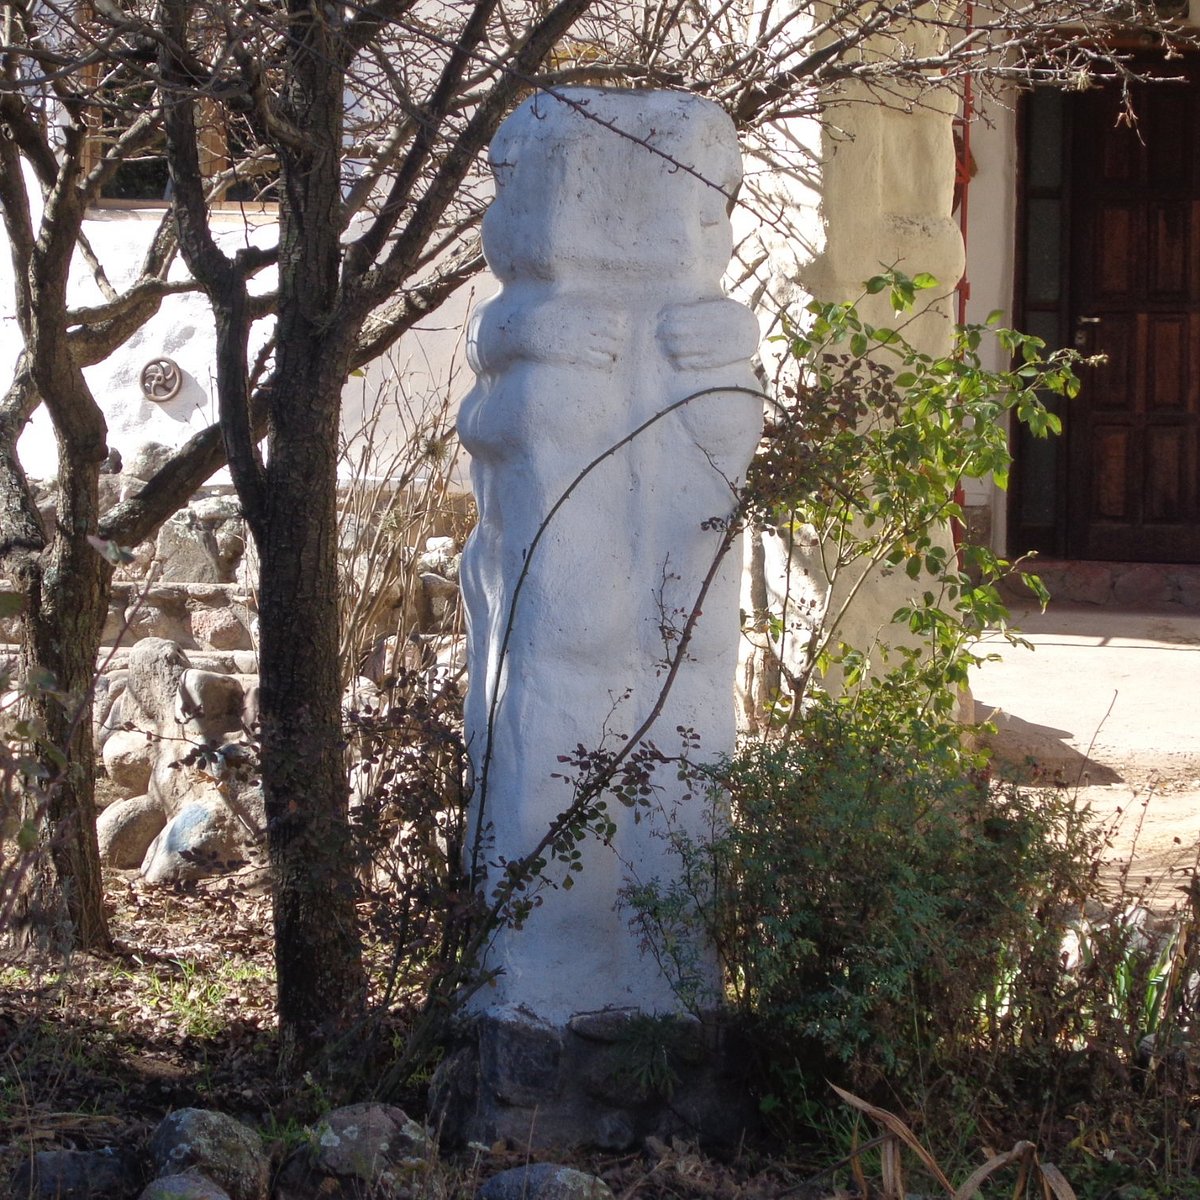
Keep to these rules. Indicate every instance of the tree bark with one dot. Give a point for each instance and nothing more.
(66, 592)
(321, 980)
(65, 581)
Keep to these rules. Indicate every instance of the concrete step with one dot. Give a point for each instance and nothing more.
(1116, 584)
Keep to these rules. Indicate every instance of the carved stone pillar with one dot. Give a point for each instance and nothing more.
(609, 235)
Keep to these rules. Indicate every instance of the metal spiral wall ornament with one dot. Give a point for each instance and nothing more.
(161, 380)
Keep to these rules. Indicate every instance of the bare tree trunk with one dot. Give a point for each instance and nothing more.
(320, 976)
(321, 981)
(65, 584)
(62, 636)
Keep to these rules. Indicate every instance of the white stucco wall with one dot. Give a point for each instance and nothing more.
(991, 252)
(887, 183)
(411, 378)
(182, 330)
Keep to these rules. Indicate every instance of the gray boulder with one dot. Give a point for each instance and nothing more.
(126, 829)
(191, 1185)
(187, 550)
(195, 1140)
(146, 461)
(202, 543)
(128, 758)
(157, 617)
(220, 629)
(154, 669)
(212, 699)
(106, 705)
(362, 1152)
(108, 1174)
(203, 838)
(215, 510)
(545, 1181)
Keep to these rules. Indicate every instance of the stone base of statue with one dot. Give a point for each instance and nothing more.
(607, 1079)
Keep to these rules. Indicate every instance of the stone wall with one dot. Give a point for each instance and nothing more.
(177, 675)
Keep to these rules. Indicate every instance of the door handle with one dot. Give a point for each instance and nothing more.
(1087, 320)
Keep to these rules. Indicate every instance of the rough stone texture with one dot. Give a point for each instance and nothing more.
(108, 490)
(220, 629)
(155, 667)
(609, 1079)
(442, 596)
(128, 757)
(125, 830)
(106, 704)
(440, 557)
(188, 551)
(1150, 586)
(520, 1056)
(188, 1186)
(107, 1174)
(160, 618)
(545, 1181)
(215, 1145)
(611, 309)
(146, 460)
(1188, 587)
(1084, 583)
(210, 697)
(363, 1152)
(1142, 586)
(216, 510)
(203, 838)
(213, 816)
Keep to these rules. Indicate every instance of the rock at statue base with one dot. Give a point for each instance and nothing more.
(609, 1079)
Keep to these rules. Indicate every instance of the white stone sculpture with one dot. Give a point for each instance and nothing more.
(609, 235)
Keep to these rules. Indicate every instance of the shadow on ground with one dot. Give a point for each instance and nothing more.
(1039, 754)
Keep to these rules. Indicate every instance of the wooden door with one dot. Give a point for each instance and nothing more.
(1135, 296)
(1111, 264)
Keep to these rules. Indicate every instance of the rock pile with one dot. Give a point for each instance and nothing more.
(361, 1152)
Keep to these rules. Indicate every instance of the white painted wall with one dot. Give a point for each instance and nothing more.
(182, 330)
(887, 181)
(991, 252)
(419, 369)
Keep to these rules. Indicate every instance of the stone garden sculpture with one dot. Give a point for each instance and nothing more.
(609, 234)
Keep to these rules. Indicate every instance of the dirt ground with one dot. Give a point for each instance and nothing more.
(1107, 704)
(93, 1051)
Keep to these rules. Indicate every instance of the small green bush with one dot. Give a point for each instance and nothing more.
(864, 896)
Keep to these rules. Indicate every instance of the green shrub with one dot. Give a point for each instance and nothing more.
(865, 453)
(864, 894)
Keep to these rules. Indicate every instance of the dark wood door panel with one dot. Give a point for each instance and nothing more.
(1133, 293)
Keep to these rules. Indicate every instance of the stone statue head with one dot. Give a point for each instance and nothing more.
(605, 184)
